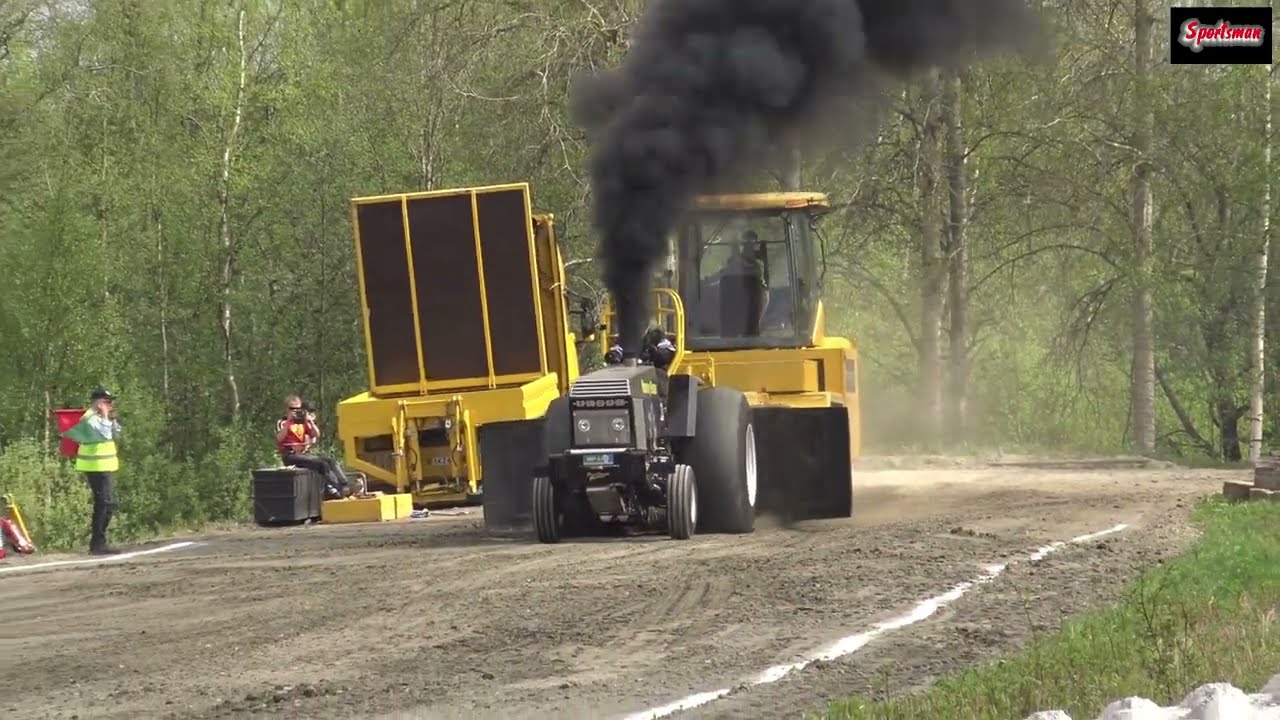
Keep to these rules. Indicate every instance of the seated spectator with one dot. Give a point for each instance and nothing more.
(296, 434)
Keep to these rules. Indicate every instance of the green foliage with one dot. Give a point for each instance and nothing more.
(149, 190)
(54, 500)
(1205, 617)
(155, 495)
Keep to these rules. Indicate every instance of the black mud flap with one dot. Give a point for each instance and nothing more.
(803, 463)
(509, 453)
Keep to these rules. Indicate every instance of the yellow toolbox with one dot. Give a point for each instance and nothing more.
(377, 508)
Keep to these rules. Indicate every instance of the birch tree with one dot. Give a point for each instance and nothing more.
(1142, 392)
(1258, 357)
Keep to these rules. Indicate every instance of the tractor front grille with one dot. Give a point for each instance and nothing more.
(601, 387)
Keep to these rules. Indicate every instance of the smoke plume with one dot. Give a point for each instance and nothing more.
(709, 86)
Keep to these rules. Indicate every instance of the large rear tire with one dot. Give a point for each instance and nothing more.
(548, 521)
(722, 453)
(576, 518)
(682, 503)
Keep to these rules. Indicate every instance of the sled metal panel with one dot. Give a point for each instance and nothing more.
(449, 315)
(386, 295)
(447, 270)
(509, 256)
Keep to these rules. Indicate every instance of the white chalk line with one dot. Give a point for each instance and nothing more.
(98, 560)
(852, 643)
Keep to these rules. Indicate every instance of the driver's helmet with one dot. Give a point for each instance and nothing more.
(654, 337)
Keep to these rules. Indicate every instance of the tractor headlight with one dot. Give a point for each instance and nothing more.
(602, 427)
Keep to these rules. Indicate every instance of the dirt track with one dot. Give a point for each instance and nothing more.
(429, 619)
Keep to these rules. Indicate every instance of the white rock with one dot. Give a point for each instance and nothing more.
(1219, 701)
(1272, 688)
(1135, 708)
(1216, 701)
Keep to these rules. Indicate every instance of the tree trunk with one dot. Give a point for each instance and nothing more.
(48, 420)
(933, 268)
(1229, 419)
(1142, 388)
(164, 308)
(1258, 373)
(430, 71)
(958, 257)
(1184, 417)
(323, 345)
(224, 219)
(103, 240)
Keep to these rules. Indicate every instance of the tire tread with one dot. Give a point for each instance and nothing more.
(546, 521)
(717, 454)
(681, 492)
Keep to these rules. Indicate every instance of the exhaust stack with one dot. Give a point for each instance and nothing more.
(711, 90)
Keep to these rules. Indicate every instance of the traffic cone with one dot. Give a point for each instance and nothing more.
(18, 532)
(14, 534)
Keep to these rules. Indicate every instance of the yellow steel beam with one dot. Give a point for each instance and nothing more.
(372, 199)
(484, 296)
(763, 201)
(364, 301)
(413, 297)
(533, 276)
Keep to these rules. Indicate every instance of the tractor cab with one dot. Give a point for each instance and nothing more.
(748, 269)
(743, 272)
(740, 299)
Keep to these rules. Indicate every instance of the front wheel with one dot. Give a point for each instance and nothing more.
(682, 503)
(548, 521)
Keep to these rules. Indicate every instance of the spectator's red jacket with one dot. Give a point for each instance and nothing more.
(298, 438)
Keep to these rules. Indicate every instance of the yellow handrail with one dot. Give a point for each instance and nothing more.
(668, 315)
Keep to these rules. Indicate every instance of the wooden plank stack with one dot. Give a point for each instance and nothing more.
(1265, 485)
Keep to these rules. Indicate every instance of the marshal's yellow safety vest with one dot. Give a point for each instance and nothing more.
(97, 457)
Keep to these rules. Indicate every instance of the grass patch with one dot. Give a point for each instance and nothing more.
(1208, 616)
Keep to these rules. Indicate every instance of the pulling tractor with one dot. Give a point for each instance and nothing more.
(751, 409)
(474, 392)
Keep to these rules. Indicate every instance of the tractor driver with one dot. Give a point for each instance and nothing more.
(744, 288)
(659, 351)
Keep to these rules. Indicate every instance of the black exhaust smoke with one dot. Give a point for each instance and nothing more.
(709, 87)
